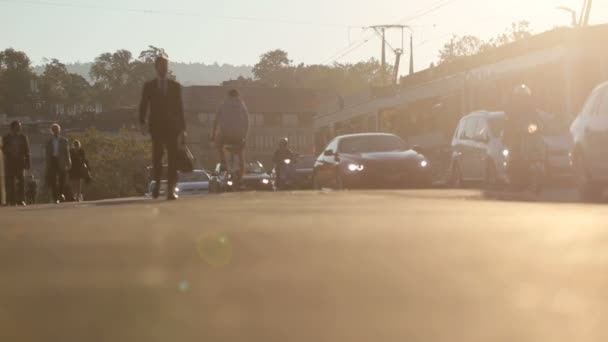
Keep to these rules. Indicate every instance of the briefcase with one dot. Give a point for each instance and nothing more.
(185, 160)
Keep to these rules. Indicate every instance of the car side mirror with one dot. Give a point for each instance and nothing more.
(328, 153)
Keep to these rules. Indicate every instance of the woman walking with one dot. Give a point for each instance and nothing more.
(79, 170)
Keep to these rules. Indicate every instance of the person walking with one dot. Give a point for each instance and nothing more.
(161, 107)
(16, 149)
(58, 162)
(79, 171)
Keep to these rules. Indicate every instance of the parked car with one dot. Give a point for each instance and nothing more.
(370, 160)
(190, 183)
(479, 155)
(590, 134)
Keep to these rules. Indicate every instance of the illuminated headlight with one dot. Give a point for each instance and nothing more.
(424, 163)
(355, 167)
(505, 153)
(265, 181)
(176, 189)
(229, 183)
(287, 161)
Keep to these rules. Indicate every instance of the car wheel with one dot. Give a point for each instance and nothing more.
(588, 191)
(456, 180)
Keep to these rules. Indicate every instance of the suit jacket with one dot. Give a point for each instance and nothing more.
(65, 160)
(20, 159)
(166, 110)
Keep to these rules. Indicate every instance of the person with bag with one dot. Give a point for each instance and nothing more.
(165, 123)
(80, 170)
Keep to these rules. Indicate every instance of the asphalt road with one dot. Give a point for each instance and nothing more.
(434, 265)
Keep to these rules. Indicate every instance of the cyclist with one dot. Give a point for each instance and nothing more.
(230, 128)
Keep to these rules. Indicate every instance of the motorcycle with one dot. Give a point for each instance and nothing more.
(528, 171)
(285, 175)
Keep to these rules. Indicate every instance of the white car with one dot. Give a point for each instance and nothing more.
(590, 134)
(191, 183)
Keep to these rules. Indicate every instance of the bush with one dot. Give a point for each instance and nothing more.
(118, 162)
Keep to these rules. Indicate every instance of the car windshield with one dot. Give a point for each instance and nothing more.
(306, 162)
(197, 176)
(254, 167)
(371, 143)
(497, 125)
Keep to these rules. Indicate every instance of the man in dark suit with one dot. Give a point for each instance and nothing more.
(162, 98)
(16, 149)
(58, 163)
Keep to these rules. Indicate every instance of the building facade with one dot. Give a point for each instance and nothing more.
(561, 67)
(274, 113)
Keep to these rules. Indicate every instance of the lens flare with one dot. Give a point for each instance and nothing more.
(215, 249)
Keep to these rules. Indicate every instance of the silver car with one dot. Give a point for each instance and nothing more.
(191, 183)
(478, 154)
(590, 134)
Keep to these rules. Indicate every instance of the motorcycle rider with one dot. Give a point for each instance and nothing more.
(230, 127)
(281, 154)
(520, 118)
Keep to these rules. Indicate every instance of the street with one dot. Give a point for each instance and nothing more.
(420, 265)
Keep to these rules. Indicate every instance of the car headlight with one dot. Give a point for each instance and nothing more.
(265, 181)
(177, 189)
(355, 167)
(424, 164)
(287, 161)
(230, 183)
(505, 153)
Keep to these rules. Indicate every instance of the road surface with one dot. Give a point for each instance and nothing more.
(438, 265)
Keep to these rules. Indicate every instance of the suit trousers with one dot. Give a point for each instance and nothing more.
(56, 179)
(160, 142)
(15, 183)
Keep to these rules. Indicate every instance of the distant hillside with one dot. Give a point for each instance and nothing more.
(187, 73)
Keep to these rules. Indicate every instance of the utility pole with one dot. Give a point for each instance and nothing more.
(381, 31)
(585, 13)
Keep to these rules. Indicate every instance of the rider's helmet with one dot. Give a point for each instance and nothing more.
(283, 143)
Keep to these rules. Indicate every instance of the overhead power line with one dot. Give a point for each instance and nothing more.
(433, 8)
(173, 13)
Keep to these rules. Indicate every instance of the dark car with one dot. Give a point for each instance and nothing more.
(370, 160)
(256, 178)
(590, 135)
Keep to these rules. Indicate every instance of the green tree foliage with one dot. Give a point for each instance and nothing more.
(15, 81)
(118, 163)
(58, 86)
(118, 77)
(275, 69)
(463, 46)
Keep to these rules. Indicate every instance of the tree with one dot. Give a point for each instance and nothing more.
(517, 31)
(272, 67)
(53, 83)
(15, 81)
(464, 46)
(149, 56)
(118, 163)
(118, 77)
(459, 47)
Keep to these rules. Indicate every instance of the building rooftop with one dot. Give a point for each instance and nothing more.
(258, 100)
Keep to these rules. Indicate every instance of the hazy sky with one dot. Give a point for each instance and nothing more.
(312, 31)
